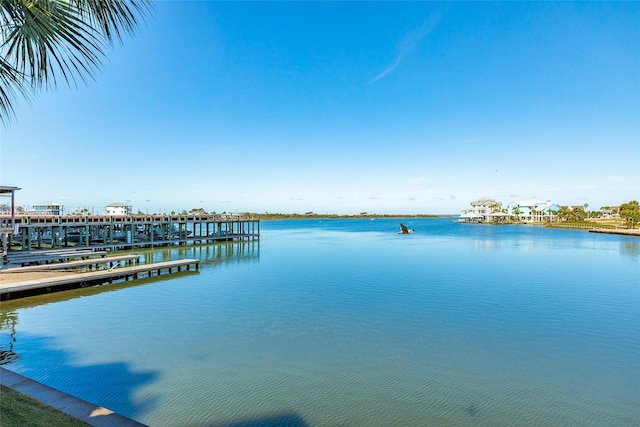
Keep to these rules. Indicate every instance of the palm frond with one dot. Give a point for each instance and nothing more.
(11, 85)
(114, 17)
(47, 40)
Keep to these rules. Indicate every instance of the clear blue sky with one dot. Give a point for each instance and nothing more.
(337, 107)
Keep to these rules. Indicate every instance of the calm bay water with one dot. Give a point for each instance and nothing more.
(345, 323)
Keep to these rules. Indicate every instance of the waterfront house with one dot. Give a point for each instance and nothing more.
(533, 210)
(610, 212)
(482, 210)
(116, 209)
(54, 209)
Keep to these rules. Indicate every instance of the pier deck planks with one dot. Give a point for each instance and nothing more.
(53, 256)
(101, 276)
(107, 261)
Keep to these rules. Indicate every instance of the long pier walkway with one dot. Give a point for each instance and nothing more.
(74, 280)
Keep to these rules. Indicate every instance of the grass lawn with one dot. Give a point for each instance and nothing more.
(17, 410)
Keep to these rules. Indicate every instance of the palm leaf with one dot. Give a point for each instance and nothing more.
(47, 40)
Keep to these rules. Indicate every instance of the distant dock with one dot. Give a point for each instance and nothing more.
(621, 231)
(75, 280)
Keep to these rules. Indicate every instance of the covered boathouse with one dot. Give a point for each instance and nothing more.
(97, 232)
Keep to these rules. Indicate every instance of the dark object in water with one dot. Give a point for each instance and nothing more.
(404, 230)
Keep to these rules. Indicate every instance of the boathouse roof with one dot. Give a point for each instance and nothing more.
(4, 189)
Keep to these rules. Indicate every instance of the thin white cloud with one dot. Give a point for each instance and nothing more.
(615, 178)
(409, 43)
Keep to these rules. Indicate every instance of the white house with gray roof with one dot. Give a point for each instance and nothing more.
(117, 209)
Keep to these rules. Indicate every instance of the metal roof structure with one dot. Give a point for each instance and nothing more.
(6, 189)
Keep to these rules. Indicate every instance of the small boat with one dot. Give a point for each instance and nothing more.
(404, 230)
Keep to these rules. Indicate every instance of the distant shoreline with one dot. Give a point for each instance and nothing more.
(276, 217)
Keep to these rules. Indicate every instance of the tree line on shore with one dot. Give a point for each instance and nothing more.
(628, 213)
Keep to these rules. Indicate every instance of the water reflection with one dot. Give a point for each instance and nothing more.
(88, 381)
(218, 253)
(8, 322)
(630, 249)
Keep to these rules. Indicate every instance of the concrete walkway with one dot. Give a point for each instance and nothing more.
(88, 412)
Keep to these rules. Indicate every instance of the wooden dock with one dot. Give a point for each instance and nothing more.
(45, 257)
(91, 264)
(621, 231)
(70, 281)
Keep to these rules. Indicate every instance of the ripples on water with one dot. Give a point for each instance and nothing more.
(347, 323)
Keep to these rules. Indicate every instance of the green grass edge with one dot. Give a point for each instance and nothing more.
(17, 410)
